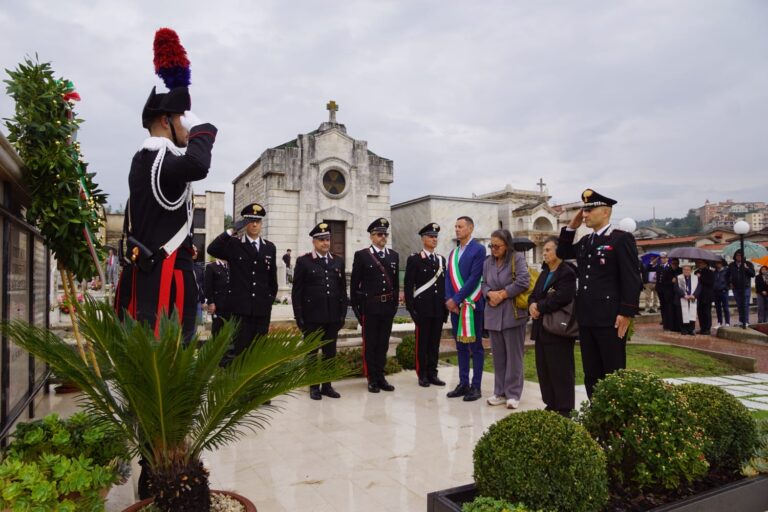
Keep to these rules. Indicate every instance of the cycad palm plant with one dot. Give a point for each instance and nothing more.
(174, 401)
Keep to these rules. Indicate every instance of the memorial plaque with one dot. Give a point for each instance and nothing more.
(39, 294)
(18, 302)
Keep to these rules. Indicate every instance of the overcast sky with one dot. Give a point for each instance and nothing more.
(655, 103)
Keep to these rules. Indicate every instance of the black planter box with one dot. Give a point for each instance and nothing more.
(747, 495)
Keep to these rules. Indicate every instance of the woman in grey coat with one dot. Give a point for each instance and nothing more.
(505, 322)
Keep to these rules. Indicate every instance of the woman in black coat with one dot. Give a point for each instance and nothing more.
(555, 288)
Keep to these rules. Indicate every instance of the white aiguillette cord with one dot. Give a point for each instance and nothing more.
(161, 145)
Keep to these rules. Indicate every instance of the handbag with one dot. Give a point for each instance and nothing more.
(562, 322)
(521, 299)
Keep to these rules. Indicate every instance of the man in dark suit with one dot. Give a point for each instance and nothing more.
(424, 299)
(319, 298)
(706, 297)
(216, 284)
(375, 289)
(608, 294)
(252, 277)
(464, 299)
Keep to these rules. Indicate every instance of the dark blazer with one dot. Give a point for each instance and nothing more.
(761, 284)
(559, 293)
(419, 270)
(471, 269)
(373, 292)
(707, 284)
(609, 275)
(319, 293)
(217, 286)
(741, 279)
(252, 276)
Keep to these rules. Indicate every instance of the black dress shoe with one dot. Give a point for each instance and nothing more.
(459, 390)
(472, 395)
(329, 392)
(373, 387)
(436, 381)
(314, 394)
(424, 383)
(386, 386)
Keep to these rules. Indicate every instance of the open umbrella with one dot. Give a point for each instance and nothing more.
(751, 250)
(521, 243)
(761, 261)
(648, 257)
(694, 253)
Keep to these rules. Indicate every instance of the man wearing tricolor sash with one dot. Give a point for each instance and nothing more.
(465, 302)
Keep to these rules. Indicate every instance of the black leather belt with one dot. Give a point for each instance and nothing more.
(386, 297)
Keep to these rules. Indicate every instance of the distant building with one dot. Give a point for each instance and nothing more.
(525, 213)
(725, 213)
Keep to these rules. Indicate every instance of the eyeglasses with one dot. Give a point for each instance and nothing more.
(494, 246)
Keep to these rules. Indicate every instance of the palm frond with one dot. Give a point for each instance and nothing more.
(174, 401)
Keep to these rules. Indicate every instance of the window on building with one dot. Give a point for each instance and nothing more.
(198, 220)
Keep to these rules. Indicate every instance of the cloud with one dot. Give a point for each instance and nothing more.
(658, 103)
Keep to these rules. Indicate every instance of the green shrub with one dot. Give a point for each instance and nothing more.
(402, 320)
(758, 462)
(392, 366)
(352, 360)
(77, 435)
(485, 504)
(406, 352)
(725, 421)
(62, 465)
(649, 434)
(542, 460)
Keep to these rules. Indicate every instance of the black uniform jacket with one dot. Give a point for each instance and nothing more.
(419, 270)
(559, 293)
(252, 276)
(707, 284)
(319, 293)
(150, 223)
(609, 275)
(217, 286)
(372, 291)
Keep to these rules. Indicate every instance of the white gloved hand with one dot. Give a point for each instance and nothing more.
(189, 120)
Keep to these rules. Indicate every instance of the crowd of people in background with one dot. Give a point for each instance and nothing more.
(687, 292)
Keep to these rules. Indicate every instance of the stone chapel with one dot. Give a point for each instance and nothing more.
(323, 175)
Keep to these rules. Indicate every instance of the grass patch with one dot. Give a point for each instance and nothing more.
(663, 360)
(760, 415)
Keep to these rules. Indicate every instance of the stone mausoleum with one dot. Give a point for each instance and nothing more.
(323, 175)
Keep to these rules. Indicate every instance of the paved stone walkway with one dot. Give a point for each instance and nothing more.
(751, 389)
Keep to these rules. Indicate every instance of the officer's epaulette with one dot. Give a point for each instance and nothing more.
(414, 254)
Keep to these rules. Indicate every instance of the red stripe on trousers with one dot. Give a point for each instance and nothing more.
(164, 297)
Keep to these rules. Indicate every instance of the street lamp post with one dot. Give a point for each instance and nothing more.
(741, 228)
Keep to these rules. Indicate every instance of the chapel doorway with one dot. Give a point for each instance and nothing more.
(338, 230)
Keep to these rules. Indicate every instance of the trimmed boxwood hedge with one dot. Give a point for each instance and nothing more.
(726, 422)
(542, 460)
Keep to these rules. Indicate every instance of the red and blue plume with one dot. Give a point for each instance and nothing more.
(171, 62)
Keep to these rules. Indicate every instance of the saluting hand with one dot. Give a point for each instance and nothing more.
(622, 324)
(576, 220)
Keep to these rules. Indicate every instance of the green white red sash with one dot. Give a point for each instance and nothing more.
(465, 331)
